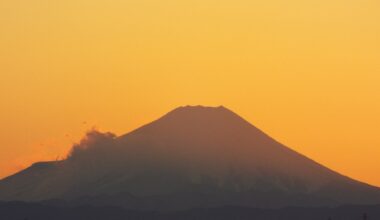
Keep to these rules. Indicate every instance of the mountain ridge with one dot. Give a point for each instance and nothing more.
(209, 151)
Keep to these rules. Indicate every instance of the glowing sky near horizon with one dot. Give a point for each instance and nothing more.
(305, 72)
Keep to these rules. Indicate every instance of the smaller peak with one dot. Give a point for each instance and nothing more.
(43, 164)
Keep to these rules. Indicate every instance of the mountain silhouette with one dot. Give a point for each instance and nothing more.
(193, 156)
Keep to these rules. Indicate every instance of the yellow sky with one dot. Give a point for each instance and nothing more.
(305, 72)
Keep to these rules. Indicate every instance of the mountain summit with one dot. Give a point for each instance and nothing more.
(193, 156)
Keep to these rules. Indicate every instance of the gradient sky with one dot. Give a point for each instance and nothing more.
(305, 72)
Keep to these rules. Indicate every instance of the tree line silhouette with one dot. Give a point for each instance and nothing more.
(38, 211)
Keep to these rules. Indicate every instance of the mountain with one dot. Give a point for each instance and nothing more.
(191, 157)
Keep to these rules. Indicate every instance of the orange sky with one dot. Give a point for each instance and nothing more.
(305, 72)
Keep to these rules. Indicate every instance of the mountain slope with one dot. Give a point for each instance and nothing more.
(192, 156)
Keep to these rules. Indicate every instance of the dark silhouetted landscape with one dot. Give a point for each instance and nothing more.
(193, 163)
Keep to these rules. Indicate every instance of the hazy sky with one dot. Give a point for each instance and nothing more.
(305, 72)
